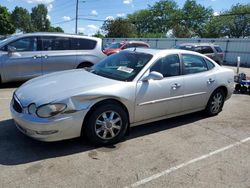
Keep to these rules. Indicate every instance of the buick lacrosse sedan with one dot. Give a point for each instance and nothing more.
(129, 88)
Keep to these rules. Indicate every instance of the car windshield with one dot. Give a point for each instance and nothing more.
(114, 45)
(123, 66)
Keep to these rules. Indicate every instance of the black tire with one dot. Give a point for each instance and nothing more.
(243, 89)
(215, 103)
(237, 87)
(84, 65)
(96, 123)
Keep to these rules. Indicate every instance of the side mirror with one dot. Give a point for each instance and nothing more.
(11, 49)
(153, 76)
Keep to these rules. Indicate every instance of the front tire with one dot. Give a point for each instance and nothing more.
(215, 103)
(107, 124)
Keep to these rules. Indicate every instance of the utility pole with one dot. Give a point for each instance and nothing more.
(77, 1)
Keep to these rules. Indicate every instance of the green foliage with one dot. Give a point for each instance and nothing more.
(6, 26)
(56, 29)
(21, 19)
(39, 18)
(192, 20)
(98, 34)
(119, 27)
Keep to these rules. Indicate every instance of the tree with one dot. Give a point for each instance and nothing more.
(39, 18)
(119, 27)
(155, 21)
(56, 29)
(237, 24)
(21, 19)
(6, 27)
(98, 34)
(192, 20)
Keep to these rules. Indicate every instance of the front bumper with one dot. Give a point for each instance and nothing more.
(60, 127)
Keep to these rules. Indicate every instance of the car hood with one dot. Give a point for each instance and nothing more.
(60, 85)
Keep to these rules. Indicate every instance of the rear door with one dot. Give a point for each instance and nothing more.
(199, 81)
(57, 54)
(25, 62)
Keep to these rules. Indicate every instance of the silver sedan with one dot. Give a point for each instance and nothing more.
(133, 87)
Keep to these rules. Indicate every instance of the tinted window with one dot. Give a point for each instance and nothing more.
(83, 44)
(122, 66)
(24, 44)
(218, 49)
(114, 45)
(204, 49)
(167, 66)
(210, 65)
(141, 45)
(193, 64)
(55, 43)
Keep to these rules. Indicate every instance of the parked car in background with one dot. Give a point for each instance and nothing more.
(213, 51)
(118, 46)
(129, 88)
(26, 56)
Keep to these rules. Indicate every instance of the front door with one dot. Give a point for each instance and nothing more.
(24, 63)
(157, 98)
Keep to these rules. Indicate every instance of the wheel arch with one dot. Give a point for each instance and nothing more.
(105, 101)
(224, 89)
(84, 64)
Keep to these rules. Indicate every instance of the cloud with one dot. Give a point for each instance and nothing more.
(109, 18)
(81, 29)
(94, 13)
(66, 18)
(40, 1)
(93, 27)
(120, 15)
(48, 17)
(216, 13)
(127, 2)
(49, 7)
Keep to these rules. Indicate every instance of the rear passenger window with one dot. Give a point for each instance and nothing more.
(206, 50)
(193, 64)
(55, 43)
(168, 66)
(83, 44)
(210, 65)
(218, 49)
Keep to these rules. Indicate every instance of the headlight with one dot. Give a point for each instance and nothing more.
(32, 108)
(50, 110)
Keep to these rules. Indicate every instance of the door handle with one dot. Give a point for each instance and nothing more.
(210, 81)
(176, 86)
(36, 56)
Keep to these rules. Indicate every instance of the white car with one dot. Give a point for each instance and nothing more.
(129, 88)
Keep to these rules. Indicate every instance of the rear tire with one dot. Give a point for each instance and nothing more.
(106, 125)
(215, 103)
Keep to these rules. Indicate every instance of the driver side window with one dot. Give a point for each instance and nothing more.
(168, 66)
(24, 44)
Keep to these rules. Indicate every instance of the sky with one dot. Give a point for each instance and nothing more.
(62, 12)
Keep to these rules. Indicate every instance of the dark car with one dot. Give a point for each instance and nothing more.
(211, 50)
(118, 46)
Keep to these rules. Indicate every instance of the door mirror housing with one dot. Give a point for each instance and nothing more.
(153, 76)
(11, 49)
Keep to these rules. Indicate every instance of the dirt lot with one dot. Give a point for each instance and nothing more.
(188, 151)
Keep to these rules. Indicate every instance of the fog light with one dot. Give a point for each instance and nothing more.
(47, 132)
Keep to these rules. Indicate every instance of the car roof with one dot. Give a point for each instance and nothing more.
(198, 44)
(54, 34)
(162, 51)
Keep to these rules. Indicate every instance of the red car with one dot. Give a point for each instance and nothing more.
(118, 46)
